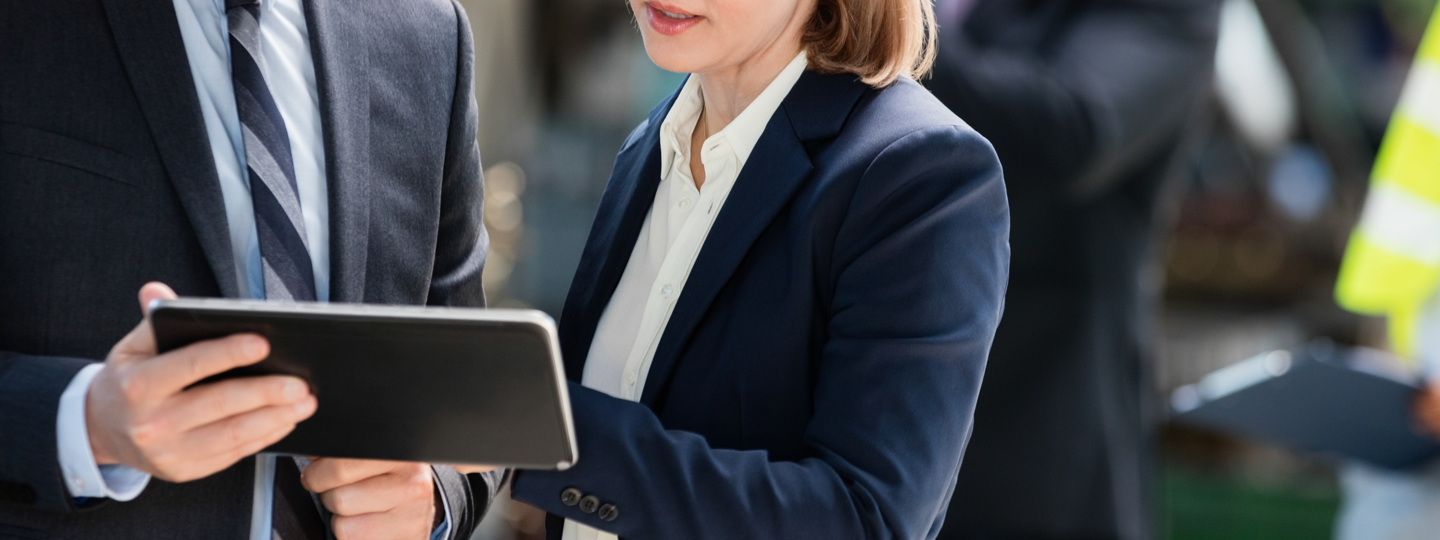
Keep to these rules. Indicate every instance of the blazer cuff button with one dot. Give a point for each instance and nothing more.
(589, 504)
(570, 497)
(608, 512)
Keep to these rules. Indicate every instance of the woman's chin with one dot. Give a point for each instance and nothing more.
(672, 57)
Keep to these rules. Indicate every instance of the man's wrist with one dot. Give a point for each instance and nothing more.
(99, 450)
(440, 524)
(437, 508)
(83, 475)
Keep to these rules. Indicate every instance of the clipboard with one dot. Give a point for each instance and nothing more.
(1342, 402)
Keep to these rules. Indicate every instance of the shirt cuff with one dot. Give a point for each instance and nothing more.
(83, 477)
(443, 531)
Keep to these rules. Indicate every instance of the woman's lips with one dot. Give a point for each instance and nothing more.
(669, 21)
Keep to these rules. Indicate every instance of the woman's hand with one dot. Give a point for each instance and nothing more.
(1427, 410)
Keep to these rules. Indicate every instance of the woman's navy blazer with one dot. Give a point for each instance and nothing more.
(818, 375)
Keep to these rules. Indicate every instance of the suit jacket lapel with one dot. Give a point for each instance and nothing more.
(816, 108)
(341, 60)
(623, 206)
(147, 36)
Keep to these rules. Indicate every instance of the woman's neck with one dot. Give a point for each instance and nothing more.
(727, 92)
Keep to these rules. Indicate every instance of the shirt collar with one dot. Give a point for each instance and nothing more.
(743, 133)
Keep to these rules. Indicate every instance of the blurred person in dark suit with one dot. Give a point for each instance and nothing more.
(1089, 105)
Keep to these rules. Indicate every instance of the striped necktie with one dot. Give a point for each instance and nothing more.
(280, 226)
(284, 253)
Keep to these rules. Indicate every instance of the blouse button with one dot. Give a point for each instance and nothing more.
(666, 290)
(684, 203)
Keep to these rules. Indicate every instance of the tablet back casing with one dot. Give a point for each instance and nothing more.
(440, 385)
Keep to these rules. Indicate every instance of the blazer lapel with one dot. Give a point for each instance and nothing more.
(341, 59)
(623, 206)
(816, 108)
(147, 36)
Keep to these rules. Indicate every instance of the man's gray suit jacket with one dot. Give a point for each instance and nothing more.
(107, 181)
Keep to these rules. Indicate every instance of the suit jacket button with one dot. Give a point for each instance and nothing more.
(608, 512)
(571, 496)
(589, 504)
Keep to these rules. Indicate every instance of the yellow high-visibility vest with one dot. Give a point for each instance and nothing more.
(1392, 263)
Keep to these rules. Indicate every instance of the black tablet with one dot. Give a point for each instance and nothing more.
(439, 385)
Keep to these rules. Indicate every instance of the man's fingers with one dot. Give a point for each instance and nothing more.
(137, 345)
(1429, 418)
(140, 342)
(222, 438)
(397, 503)
(171, 372)
(326, 474)
(153, 291)
(381, 493)
(207, 466)
(408, 522)
(1427, 412)
(211, 403)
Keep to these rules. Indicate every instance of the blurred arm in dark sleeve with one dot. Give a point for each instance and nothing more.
(1073, 93)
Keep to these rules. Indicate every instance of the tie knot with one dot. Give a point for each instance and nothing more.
(232, 4)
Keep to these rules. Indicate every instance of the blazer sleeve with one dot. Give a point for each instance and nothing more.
(460, 258)
(30, 388)
(462, 242)
(1110, 88)
(919, 274)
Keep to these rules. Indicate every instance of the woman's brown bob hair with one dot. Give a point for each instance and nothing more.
(878, 40)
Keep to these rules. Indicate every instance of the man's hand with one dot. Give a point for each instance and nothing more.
(375, 499)
(139, 413)
(475, 469)
(1427, 410)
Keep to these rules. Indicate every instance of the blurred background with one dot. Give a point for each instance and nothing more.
(1303, 92)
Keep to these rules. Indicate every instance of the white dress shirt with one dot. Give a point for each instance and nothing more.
(671, 238)
(289, 71)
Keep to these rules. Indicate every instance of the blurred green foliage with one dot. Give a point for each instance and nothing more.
(1209, 506)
